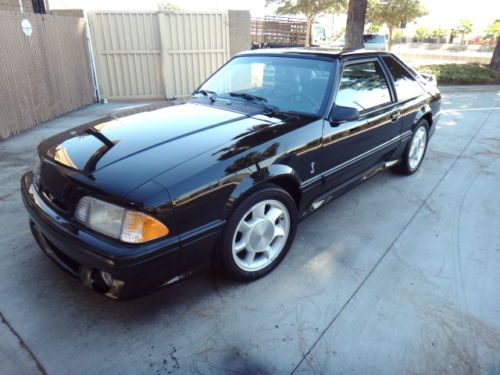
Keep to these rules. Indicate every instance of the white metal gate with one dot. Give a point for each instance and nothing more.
(152, 54)
(127, 51)
(193, 46)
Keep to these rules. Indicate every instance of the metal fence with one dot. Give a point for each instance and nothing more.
(127, 50)
(42, 75)
(153, 54)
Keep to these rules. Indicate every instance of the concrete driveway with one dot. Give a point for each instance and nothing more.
(399, 276)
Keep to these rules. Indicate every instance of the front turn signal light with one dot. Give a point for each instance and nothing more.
(118, 222)
(138, 228)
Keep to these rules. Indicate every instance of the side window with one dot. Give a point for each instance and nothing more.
(406, 86)
(363, 86)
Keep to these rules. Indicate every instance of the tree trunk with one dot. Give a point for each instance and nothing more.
(355, 23)
(310, 20)
(391, 29)
(495, 59)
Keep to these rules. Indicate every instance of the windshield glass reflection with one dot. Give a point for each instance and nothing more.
(288, 84)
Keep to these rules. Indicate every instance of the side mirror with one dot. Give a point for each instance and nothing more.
(341, 114)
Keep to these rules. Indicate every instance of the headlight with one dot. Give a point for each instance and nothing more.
(118, 222)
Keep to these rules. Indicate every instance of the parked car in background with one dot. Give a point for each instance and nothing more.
(130, 204)
(376, 42)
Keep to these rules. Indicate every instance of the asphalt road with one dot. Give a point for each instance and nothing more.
(399, 276)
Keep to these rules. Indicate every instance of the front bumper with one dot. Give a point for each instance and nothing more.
(135, 270)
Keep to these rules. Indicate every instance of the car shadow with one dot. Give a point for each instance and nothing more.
(203, 293)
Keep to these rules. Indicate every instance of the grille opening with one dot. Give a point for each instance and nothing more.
(51, 200)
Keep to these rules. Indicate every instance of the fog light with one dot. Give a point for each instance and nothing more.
(107, 278)
(100, 281)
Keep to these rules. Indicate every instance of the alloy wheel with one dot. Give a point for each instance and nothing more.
(417, 147)
(261, 235)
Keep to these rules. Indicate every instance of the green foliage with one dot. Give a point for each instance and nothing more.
(394, 12)
(440, 33)
(168, 7)
(374, 28)
(421, 33)
(493, 30)
(398, 37)
(430, 35)
(464, 27)
(461, 73)
(309, 8)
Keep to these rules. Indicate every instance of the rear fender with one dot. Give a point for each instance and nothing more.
(424, 112)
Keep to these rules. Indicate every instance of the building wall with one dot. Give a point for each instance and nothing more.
(240, 24)
(10, 5)
(13, 5)
(27, 5)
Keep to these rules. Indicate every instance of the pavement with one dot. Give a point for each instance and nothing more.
(401, 275)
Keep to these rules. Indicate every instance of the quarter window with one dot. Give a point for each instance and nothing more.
(406, 86)
(363, 86)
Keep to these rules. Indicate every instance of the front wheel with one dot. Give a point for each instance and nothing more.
(415, 151)
(258, 234)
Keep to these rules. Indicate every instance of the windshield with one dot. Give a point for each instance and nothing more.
(319, 32)
(288, 84)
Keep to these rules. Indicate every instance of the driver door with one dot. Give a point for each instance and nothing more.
(353, 147)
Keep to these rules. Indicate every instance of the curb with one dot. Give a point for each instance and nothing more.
(468, 88)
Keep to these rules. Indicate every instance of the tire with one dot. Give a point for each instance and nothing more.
(258, 234)
(415, 151)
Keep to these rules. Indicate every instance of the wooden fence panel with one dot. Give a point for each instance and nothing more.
(43, 75)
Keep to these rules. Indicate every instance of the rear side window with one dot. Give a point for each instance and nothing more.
(363, 86)
(406, 86)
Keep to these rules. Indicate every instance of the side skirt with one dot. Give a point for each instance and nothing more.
(330, 195)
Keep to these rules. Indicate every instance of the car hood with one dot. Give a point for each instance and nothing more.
(123, 153)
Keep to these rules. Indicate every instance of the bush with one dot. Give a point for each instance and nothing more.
(464, 74)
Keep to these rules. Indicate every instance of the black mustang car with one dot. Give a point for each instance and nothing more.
(134, 203)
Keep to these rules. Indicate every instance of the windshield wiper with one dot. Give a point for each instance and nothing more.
(255, 99)
(209, 94)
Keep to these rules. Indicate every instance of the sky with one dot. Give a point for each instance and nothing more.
(443, 13)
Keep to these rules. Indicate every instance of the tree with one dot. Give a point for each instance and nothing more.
(493, 31)
(398, 37)
(464, 27)
(439, 34)
(374, 28)
(168, 7)
(309, 8)
(355, 23)
(394, 13)
(421, 33)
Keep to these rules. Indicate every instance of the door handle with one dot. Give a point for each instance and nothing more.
(395, 116)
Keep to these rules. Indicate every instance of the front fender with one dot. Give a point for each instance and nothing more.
(259, 177)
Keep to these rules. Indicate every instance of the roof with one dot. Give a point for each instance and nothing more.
(317, 51)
